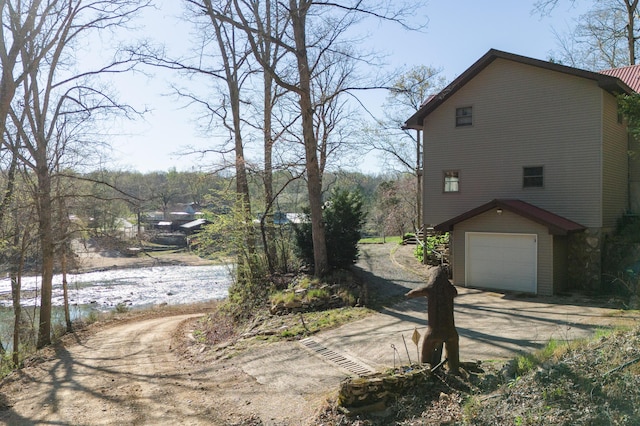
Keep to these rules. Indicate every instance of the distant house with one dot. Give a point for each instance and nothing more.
(282, 218)
(296, 218)
(526, 164)
(128, 229)
(194, 226)
(176, 216)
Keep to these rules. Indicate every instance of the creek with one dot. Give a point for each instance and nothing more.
(132, 288)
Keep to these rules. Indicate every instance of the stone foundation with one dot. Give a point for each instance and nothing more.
(585, 259)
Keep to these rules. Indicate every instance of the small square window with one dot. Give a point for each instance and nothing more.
(464, 116)
(533, 177)
(451, 181)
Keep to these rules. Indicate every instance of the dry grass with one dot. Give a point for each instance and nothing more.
(586, 383)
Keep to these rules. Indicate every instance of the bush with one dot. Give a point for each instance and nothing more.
(231, 235)
(318, 293)
(344, 218)
(620, 264)
(419, 252)
(431, 243)
(121, 308)
(248, 292)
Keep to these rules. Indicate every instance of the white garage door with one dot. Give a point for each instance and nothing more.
(501, 261)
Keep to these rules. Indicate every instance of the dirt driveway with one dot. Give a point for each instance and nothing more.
(128, 374)
(122, 375)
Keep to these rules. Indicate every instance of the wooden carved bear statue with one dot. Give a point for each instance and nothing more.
(441, 327)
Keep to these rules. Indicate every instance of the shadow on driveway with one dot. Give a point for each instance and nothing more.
(492, 326)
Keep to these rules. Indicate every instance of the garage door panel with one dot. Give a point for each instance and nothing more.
(502, 261)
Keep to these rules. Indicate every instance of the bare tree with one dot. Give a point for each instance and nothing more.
(604, 37)
(271, 21)
(397, 205)
(316, 31)
(233, 55)
(16, 230)
(222, 59)
(58, 102)
(64, 192)
(408, 93)
(21, 23)
(22, 239)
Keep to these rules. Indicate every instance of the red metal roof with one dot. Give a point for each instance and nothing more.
(629, 75)
(557, 225)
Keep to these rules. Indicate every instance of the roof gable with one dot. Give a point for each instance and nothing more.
(610, 83)
(557, 225)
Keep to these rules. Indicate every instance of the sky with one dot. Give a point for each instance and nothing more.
(457, 34)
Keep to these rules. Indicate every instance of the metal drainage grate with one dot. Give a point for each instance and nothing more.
(336, 358)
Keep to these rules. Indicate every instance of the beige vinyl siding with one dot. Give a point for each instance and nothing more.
(507, 222)
(522, 116)
(615, 162)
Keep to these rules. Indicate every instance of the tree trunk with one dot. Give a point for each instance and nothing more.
(267, 223)
(65, 289)
(242, 183)
(227, 45)
(314, 177)
(7, 82)
(631, 39)
(45, 229)
(268, 230)
(16, 285)
(17, 255)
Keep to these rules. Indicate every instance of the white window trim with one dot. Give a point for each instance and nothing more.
(444, 181)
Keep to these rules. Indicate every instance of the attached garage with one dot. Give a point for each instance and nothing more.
(509, 245)
(502, 261)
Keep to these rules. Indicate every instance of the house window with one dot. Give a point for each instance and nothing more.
(451, 181)
(533, 177)
(463, 116)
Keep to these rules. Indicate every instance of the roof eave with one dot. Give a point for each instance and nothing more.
(505, 205)
(615, 87)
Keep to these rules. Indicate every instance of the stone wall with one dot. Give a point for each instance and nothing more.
(304, 305)
(585, 259)
(370, 393)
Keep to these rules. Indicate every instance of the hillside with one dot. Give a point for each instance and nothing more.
(566, 383)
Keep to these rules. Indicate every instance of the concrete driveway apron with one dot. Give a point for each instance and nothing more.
(492, 326)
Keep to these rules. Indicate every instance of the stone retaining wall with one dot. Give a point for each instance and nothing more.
(370, 393)
(336, 298)
(585, 259)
